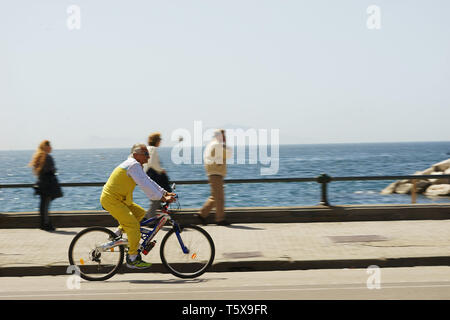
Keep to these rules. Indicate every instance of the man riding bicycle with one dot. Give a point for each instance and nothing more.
(117, 199)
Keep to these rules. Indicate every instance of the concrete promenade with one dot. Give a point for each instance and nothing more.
(294, 242)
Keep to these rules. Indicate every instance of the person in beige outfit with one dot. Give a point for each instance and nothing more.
(214, 157)
(155, 171)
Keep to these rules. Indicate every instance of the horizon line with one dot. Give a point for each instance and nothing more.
(281, 144)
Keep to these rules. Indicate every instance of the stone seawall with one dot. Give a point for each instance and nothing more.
(67, 219)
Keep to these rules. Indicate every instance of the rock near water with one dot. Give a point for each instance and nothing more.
(429, 187)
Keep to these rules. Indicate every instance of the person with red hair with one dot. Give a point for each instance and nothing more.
(47, 185)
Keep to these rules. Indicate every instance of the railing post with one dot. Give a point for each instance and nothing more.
(413, 191)
(324, 179)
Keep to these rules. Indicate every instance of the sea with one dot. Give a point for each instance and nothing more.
(294, 161)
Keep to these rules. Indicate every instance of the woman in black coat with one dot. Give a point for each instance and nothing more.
(47, 185)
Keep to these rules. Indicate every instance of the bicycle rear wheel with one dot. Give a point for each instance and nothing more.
(198, 258)
(87, 252)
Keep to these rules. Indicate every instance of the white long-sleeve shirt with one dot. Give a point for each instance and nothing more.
(136, 172)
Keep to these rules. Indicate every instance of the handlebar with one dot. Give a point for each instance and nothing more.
(165, 206)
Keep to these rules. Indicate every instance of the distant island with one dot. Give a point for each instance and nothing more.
(428, 187)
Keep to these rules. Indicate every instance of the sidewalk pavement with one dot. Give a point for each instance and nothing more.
(260, 246)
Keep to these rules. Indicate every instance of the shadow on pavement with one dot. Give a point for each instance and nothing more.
(169, 281)
(243, 227)
(63, 232)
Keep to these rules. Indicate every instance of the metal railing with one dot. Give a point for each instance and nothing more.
(322, 179)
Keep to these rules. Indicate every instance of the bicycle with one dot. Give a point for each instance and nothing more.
(187, 251)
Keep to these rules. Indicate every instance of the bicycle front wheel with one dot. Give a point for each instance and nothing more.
(195, 259)
(90, 253)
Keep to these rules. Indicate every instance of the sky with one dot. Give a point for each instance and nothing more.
(314, 70)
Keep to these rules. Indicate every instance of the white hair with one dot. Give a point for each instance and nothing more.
(137, 147)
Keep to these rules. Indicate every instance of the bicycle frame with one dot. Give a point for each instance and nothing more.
(147, 235)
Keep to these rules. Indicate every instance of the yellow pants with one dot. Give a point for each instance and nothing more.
(129, 218)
